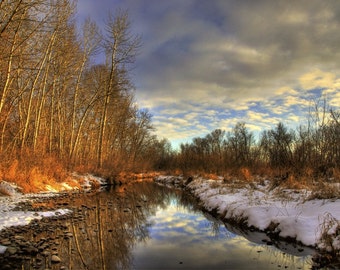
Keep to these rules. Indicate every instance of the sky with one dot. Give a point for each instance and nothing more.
(205, 65)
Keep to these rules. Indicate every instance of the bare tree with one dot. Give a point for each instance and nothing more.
(121, 48)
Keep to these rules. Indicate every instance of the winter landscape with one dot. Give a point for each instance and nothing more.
(114, 111)
(283, 214)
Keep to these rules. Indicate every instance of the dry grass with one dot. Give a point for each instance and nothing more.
(293, 182)
(245, 174)
(211, 176)
(336, 175)
(33, 173)
(330, 229)
(323, 191)
(282, 180)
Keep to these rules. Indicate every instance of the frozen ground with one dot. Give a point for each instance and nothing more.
(312, 222)
(9, 217)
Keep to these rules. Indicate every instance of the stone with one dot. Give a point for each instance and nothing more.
(31, 250)
(55, 259)
(45, 253)
(6, 242)
(11, 250)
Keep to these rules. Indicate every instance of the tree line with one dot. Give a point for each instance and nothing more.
(311, 150)
(54, 100)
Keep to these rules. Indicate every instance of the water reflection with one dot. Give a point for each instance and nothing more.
(104, 238)
(146, 226)
(183, 238)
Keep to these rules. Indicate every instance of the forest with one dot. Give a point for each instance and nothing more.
(56, 104)
(60, 111)
(309, 153)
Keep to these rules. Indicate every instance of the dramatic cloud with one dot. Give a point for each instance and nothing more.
(210, 64)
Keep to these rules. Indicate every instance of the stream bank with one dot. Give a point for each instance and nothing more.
(282, 214)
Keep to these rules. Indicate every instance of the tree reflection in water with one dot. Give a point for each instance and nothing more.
(108, 228)
(108, 225)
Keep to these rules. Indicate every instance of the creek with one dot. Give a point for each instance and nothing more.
(147, 226)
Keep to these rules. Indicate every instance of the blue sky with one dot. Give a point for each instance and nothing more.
(210, 64)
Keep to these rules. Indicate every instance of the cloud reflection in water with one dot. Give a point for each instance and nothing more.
(184, 239)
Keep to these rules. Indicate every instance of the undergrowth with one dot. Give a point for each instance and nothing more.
(34, 173)
(330, 234)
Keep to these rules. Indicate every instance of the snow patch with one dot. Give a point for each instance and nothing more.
(12, 196)
(10, 218)
(89, 180)
(2, 249)
(8, 188)
(305, 221)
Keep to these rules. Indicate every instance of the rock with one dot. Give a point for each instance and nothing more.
(45, 253)
(11, 250)
(6, 242)
(55, 259)
(31, 250)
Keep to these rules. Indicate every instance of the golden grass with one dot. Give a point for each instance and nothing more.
(33, 173)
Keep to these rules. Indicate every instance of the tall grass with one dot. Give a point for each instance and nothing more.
(33, 173)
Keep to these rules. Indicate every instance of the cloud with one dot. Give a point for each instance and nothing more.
(317, 79)
(210, 64)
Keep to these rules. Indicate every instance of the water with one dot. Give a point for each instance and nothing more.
(181, 236)
(146, 226)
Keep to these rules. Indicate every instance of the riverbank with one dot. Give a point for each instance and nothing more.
(280, 212)
(14, 210)
(11, 196)
(291, 214)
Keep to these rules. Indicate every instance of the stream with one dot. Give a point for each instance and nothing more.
(146, 226)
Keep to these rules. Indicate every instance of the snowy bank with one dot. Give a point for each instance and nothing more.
(289, 215)
(9, 217)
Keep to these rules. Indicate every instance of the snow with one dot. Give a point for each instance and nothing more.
(16, 218)
(9, 217)
(8, 188)
(90, 179)
(290, 216)
(2, 249)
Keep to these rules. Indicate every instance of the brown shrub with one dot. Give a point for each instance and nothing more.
(37, 180)
(264, 171)
(245, 174)
(308, 172)
(210, 176)
(336, 174)
(12, 170)
(53, 168)
(295, 183)
(323, 191)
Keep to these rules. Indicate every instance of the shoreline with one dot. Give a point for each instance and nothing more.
(312, 223)
(289, 217)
